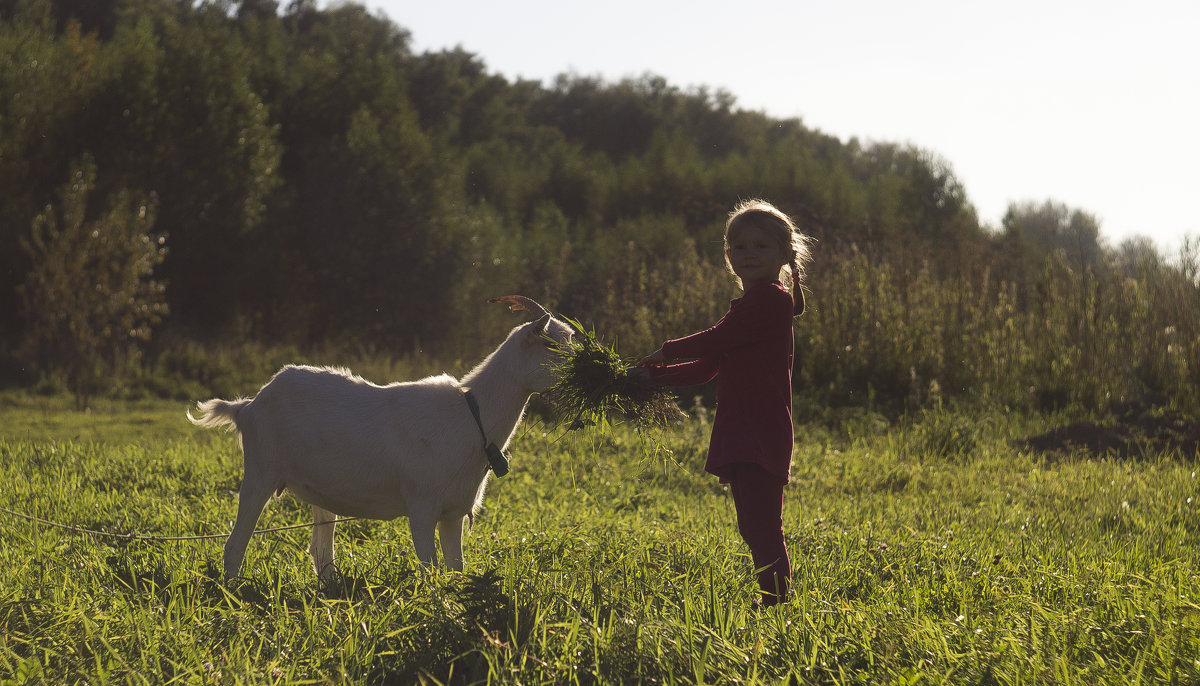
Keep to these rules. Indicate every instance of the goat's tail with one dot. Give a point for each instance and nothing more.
(216, 412)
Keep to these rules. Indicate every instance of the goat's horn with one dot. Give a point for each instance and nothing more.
(520, 302)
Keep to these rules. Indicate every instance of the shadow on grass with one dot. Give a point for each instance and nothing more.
(1134, 431)
(447, 647)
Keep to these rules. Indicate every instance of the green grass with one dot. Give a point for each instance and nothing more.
(926, 552)
(25, 416)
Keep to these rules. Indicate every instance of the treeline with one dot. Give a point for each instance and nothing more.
(175, 174)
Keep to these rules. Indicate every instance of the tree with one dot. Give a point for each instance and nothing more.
(178, 117)
(1136, 252)
(42, 82)
(90, 297)
(1052, 227)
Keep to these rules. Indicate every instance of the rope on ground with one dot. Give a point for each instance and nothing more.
(143, 537)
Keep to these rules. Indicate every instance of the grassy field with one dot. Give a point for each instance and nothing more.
(926, 551)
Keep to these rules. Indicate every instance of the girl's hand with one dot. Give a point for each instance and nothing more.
(654, 359)
(639, 374)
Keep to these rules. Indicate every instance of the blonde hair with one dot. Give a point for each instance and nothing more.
(768, 218)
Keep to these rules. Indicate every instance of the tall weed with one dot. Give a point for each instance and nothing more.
(885, 338)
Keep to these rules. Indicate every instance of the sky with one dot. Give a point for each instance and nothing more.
(1090, 104)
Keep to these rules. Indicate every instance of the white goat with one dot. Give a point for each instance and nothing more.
(349, 447)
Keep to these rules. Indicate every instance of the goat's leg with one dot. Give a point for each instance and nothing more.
(252, 498)
(451, 532)
(321, 546)
(422, 527)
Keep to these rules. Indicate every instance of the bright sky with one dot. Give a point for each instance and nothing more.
(1091, 103)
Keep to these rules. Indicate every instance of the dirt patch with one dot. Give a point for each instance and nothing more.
(1134, 432)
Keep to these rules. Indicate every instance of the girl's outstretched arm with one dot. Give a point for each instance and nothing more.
(691, 373)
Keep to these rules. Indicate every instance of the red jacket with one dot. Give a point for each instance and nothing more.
(750, 351)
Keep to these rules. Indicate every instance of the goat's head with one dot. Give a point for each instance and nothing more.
(538, 338)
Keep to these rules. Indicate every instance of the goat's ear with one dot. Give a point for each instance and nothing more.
(539, 331)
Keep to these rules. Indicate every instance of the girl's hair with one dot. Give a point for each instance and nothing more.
(795, 245)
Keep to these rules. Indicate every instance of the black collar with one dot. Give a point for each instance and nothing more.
(497, 460)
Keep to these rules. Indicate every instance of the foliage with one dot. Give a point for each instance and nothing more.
(595, 563)
(1051, 228)
(90, 297)
(594, 386)
(1096, 337)
(327, 189)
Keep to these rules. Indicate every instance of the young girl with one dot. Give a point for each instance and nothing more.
(750, 352)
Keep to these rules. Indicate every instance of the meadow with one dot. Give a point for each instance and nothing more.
(936, 548)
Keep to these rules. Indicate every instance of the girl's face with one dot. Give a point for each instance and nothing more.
(756, 257)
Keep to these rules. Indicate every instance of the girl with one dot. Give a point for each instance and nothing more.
(750, 351)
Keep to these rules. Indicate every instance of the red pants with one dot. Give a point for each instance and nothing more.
(758, 498)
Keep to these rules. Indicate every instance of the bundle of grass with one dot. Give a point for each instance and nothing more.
(595, 387)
